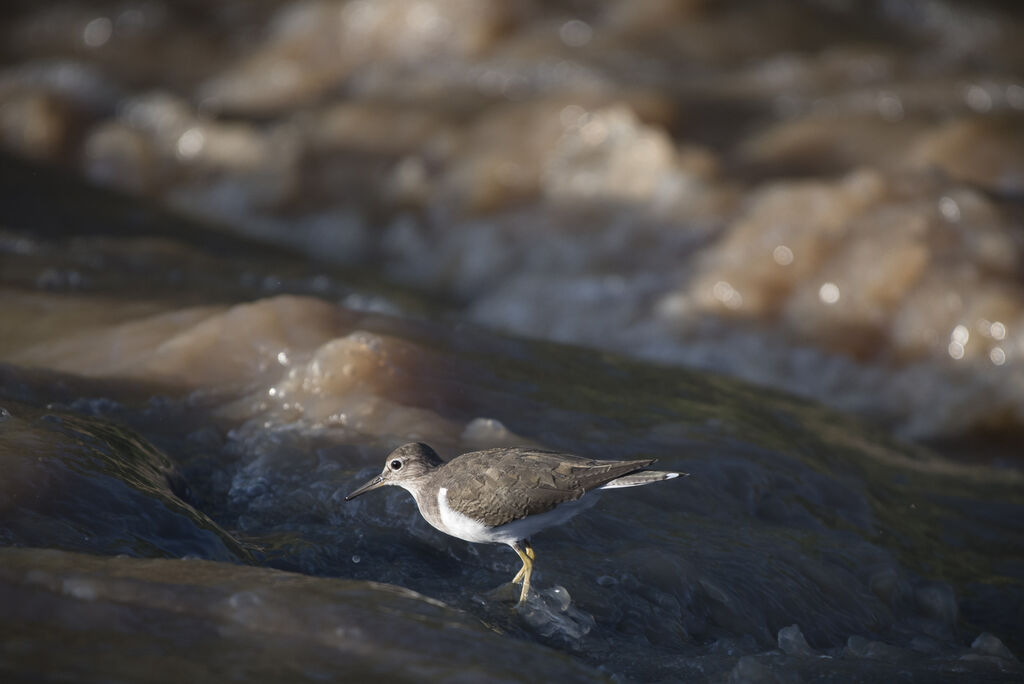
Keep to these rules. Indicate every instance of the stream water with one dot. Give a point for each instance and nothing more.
(332, 228)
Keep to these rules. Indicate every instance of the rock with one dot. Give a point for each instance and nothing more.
(792, 642)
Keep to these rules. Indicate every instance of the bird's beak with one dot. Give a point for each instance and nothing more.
(372, 484)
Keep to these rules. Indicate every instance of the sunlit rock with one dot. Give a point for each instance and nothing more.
(358, 382)
(314, 46)
(180, 347)
(607, 155)
(809, 219)
(983, 151)
(209, 167)
(880, 269)
(810, 145)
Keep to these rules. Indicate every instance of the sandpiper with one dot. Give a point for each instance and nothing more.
(505, 495)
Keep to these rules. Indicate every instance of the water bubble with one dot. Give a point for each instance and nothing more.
(890, 107)
(782, 255)
(356, 559)
(997, 356)
(1015, 96)
(570, 115)
(997, 330)
(960, 334)
(956, 350)
(561, 596)
(131, 18)
(725, 293)
(97, 32)
(244, 599)
(949, 209)
(594, 132)
(829, 293)
(978, 98)
(191, 143)
(575, 33)
(80, 589)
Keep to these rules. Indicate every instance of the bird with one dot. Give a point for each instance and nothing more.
(505, 495)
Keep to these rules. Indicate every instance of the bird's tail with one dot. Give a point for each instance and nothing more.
(641, 477)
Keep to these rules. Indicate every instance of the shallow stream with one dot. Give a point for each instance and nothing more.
(247, 248)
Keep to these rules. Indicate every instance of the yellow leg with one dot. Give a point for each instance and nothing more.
(528, 550)
(526, 554)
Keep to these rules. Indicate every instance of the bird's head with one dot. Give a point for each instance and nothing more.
(404, 465)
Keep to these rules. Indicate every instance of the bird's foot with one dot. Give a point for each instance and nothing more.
(507, 594)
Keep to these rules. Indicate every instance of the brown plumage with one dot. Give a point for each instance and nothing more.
(527, 481)
(504, 495)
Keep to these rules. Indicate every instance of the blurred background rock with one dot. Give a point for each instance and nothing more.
(822, 196)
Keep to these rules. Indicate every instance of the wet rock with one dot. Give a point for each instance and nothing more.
(85, 485)
(989, 644)
(754, 669)
(792, 642)
(859, 647)
(257, 623)
(938, 602)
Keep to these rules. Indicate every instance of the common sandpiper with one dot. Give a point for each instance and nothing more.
(505, 495)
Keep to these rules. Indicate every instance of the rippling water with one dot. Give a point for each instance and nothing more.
(820, 198)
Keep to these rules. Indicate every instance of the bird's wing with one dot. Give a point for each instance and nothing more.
(525, 482)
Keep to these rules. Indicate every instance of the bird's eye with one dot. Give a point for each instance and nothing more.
(396, 464)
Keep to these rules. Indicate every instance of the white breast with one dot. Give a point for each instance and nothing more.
(464, 527)
(459, 525)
